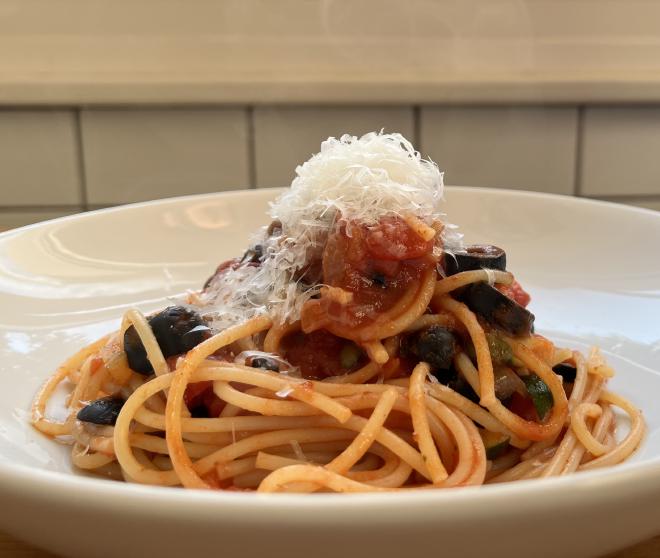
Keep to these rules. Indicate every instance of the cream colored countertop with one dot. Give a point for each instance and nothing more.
(323, 51)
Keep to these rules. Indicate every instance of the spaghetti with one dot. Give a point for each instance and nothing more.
(357, 346)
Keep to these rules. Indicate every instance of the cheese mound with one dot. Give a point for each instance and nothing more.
(357, 179)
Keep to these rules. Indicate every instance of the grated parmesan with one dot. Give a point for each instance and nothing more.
(351, 178)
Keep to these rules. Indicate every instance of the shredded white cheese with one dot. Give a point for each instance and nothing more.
(351, 178)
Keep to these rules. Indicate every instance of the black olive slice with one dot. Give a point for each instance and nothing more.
(177, 330)
(566, 371)
(436, 346)
(265, 363)
(497, 309)
(477, 256)
(102, 411)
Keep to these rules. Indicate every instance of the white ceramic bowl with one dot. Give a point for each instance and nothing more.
(594, 274)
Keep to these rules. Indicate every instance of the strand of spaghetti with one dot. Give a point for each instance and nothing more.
(443, 439)
(597, 364)
(363, 441)
(270, 462)
(229, 424)
(180, 460)
(569, 441)
(385, 437)
(422, 432)
(533, 465)
(39, 420)
(420, 228)
(155, 444)
(395, 479)
(600, 430)
(263, 440)
(555, 422)
(276, 333)
(453, 282)
(388, 326)
(561, 355)
(275, 381)
(478, 474)
(428, 320)
(525, 429)
(366, 437)
(577, 394)
(375, 351)
(464, 444)
(77, 395)
(130, 465)
(464, 365)
(474, 412)
(237, 467)
(230, 410)
(269, 407)
(368, 400)
(629, 443)
(280, 478)
(143, 474)
(318, 320)
(98, 375)
(208, 438)
(143, 460)
(364, 374)
(145, 333)
(538, 447)
(581, 430)
(82, 459)
(391, 463)
(503, 463)
(580, 383)
(484, 361)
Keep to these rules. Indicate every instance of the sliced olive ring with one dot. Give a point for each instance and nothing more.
(477, 256)
(498, 309)
(102, 411)
(177, 330)
(566, 371)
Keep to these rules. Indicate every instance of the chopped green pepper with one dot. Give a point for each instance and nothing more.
(494, 442)
(540, 393)
(349, 356)
(500, 352)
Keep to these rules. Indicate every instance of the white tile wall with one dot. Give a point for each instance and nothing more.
(131, 154)
(288, 136)
(39, 162)
(136, 155)
(621, 151)
(509, 147)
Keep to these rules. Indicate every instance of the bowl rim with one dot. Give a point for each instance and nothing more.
(623, 481)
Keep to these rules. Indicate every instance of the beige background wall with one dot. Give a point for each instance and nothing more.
(104, 103)
(59, 161)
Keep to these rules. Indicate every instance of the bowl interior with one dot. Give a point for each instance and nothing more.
(591, 268)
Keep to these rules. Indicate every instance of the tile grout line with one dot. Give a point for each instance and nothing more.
(81, 159)
(251, 148)
(579, 150)
(417, 127)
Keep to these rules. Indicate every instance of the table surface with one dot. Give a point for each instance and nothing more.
(12, 548)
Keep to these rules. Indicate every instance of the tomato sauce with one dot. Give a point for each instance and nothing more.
(375, 264)
(318, 354)
(516, 293)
